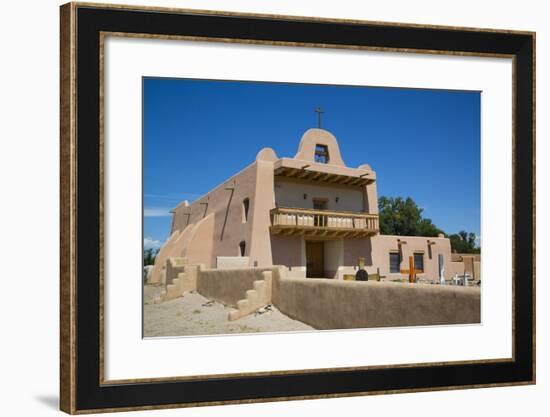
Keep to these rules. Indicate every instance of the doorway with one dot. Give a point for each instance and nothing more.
(320, 203)
(320, 220)
(315, 259)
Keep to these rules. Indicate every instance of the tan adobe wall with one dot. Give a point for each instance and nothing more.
(225, 202)
(353, 250)
(290, 251)
(477, 270)
(259, 245)
(335, 304)
(454, 268)
(458, 257)
(199, 247)
(180, 218)
(384, 244)
(341, 256)
(333, 257)
(290, 193)
(215, 225)
(470, 264)
(287, 250)
(169, 249)
(371, 198)
(228, 285)
(331, 304)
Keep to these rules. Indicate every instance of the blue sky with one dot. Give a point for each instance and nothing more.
(422, 143)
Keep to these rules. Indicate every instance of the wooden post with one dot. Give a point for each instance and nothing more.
(411, 270)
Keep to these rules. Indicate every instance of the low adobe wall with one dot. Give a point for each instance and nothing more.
(228, 285)
(334, 304)
(466, 263)
(174, 266)
(454, 268)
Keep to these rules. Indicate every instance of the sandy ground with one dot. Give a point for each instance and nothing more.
(193, 314)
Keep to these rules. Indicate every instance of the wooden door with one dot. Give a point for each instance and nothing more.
(315, 259)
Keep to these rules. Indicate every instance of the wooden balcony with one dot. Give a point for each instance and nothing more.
(322, 223)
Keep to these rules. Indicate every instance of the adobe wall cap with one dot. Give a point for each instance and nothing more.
(266, 154)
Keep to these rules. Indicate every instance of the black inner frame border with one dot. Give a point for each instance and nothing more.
(91, 395)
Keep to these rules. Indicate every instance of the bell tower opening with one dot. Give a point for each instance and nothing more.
(321, 154)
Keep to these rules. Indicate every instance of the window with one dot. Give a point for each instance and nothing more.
(419, 262)
(394, 263)
(321, 154)
(242, 248)
(246, 205)
(320, 203)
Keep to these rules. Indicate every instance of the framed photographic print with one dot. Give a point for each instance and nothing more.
(264, 208)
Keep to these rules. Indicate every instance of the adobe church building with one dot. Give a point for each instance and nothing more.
(311, 213)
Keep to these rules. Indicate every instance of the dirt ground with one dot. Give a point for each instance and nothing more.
(194, 314)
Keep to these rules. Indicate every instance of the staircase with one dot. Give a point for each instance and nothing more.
(186, 281)
(256, 298)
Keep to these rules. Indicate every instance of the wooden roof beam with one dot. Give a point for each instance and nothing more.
(293, 172)
(315, 175)
(304, 174)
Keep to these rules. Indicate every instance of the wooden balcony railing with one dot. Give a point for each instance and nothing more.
(322, 223)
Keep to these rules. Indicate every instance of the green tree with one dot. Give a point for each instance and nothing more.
(149, 256)
(464, 242)
(403, 217)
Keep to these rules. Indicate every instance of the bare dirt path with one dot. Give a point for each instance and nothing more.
(195, 315)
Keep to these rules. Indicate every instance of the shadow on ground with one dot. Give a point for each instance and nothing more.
(51, 401)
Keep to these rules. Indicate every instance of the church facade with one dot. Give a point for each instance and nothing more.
(310, 213)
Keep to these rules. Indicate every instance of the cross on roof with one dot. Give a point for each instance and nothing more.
(319, 112)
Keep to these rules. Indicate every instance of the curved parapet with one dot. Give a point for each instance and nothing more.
(314, 137)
